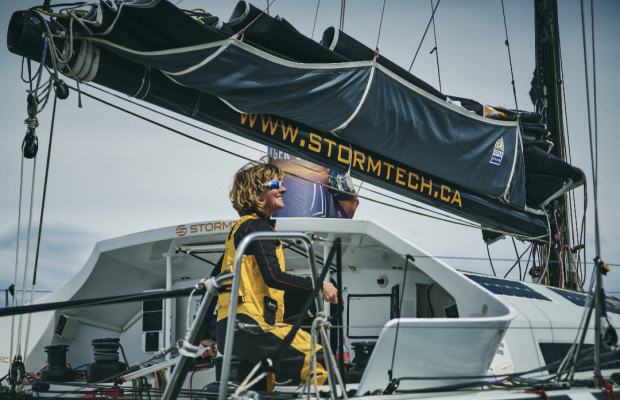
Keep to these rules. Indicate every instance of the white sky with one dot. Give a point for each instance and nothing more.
(111, 174)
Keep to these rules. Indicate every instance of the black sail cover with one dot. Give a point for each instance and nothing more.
(323, 106)
(361, 102)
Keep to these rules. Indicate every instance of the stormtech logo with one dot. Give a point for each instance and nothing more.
(182, 230)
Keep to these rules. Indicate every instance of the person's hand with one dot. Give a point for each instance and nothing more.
(210, 348)
(330, 293)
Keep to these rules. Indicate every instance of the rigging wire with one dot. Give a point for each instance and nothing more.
(343, 4)
(528, 263)
(19, 223)
(264, 152)
(547, 249)
(594, 159)
(379, 34)
(423, 36)
(387, 251)
(592, 140)
(315, 17)
(568, 154)
(492, 267)
(594, 90)
(180, 120)
(514, 90)
(456, 222)
(469, 225)
(19, 329)
(36, 260)
(583, 229)
(435, 49)
(242, 31)
(518, 260)
(432, 211)
(518, 257)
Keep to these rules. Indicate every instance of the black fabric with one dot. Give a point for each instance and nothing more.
(127, 77)
(325, 97)
(534, 129)
(528, 116)
(356, 51)
(148, 29)
(540, 187)
(266, 258)
(430, 134)
(554, 352)
(211, 315)
(271, 308)
(543, 145)
(294, 302)
(541, 162)
(280, 37)
(251, 344)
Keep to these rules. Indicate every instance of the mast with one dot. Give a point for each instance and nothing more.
(546, 94)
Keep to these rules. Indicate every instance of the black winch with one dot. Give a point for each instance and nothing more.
(57, 369)
(106, 366)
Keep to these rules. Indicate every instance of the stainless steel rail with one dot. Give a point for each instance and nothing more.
(232, 313)
(178, 376)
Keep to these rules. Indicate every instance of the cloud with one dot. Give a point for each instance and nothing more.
(64, 250)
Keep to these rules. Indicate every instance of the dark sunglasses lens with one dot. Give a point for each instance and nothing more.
(274, 184)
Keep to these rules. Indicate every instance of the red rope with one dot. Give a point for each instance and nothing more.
(540, 392)
(560, 238)
(583, 229)
(242, 31)
(204, 366)
(609, 390)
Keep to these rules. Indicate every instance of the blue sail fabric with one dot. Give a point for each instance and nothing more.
(361, 102)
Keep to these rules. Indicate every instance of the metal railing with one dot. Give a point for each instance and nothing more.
(180, 372)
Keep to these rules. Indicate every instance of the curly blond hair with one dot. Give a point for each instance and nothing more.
(248, 184)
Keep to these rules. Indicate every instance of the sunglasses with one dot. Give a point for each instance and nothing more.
(274, 184)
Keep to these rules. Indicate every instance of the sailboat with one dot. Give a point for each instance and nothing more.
(492, 310)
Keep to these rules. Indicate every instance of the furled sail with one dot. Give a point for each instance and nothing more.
(330, 104)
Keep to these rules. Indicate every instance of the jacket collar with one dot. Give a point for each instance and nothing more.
(262, 215)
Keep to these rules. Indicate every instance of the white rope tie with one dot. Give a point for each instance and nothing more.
(242, 391)
(332, 363)
(319, 327)
(320, 318)
(211, 286)
(32, 123)
(189, 304)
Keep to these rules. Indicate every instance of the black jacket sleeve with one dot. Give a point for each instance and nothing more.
(265, 253)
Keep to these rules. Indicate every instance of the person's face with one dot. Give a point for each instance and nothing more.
(272, 198)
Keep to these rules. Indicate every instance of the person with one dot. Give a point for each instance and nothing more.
(257, 192)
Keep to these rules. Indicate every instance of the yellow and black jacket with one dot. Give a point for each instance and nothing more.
(263, 280)
(261, 294)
